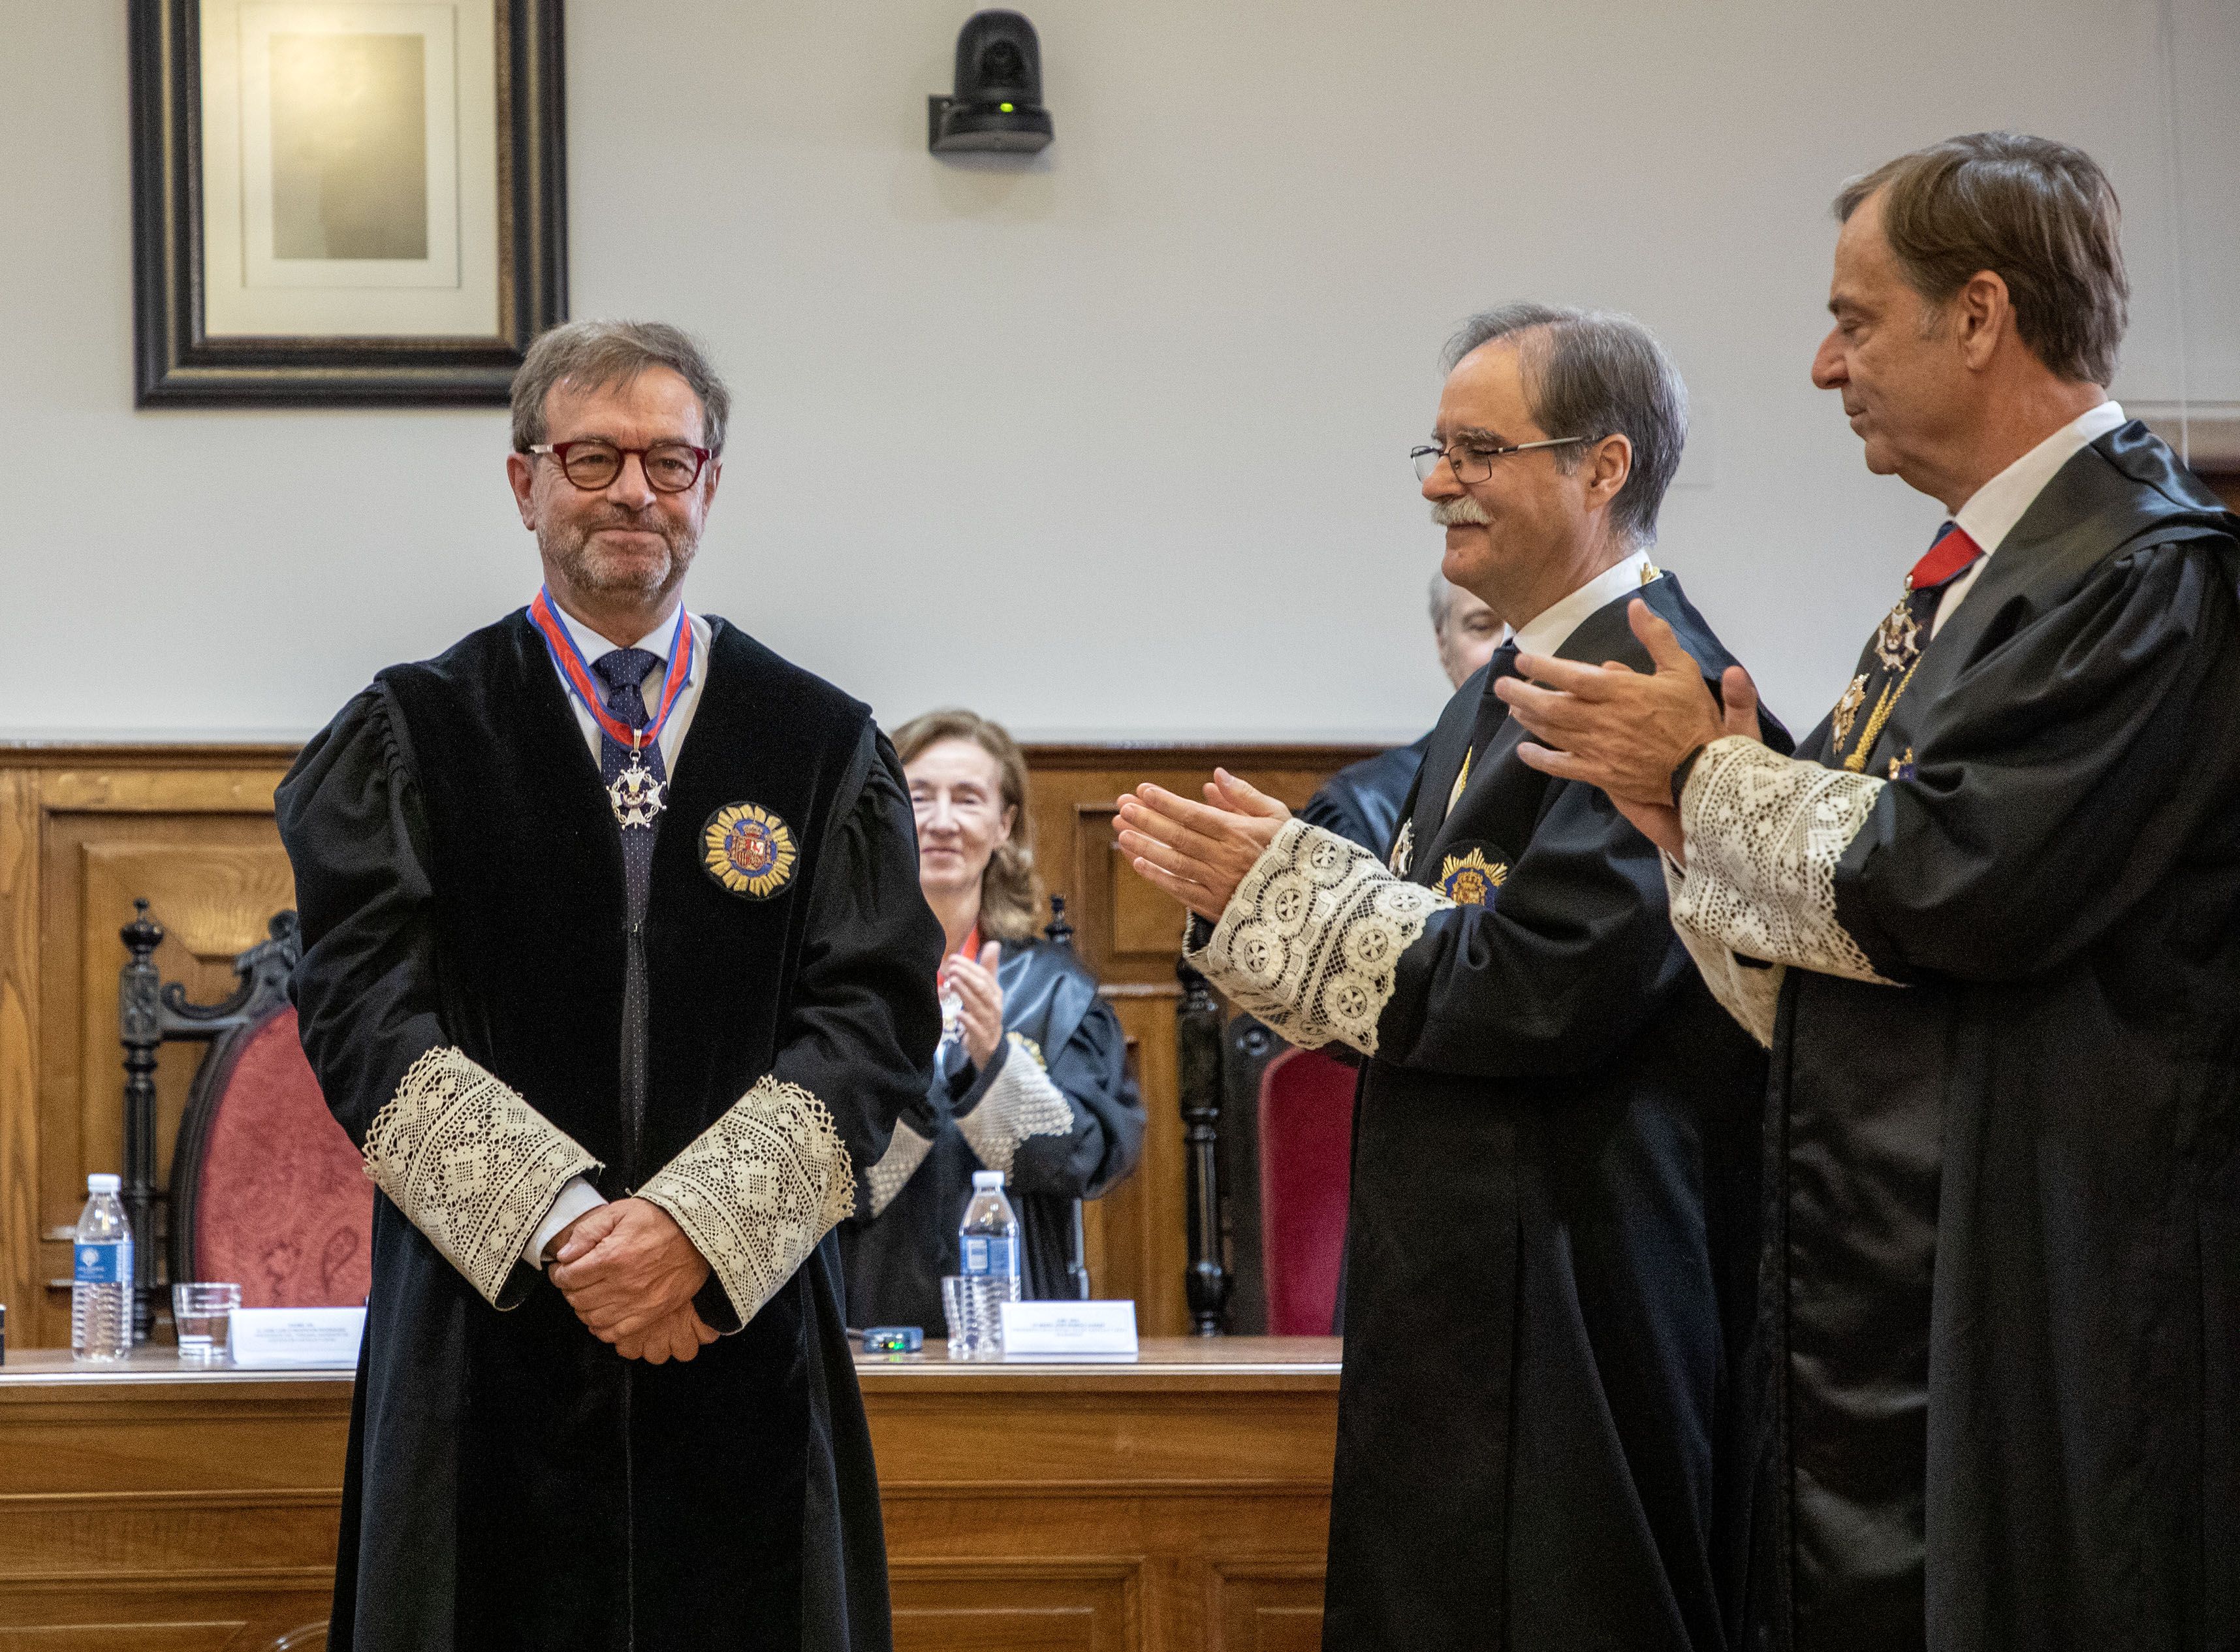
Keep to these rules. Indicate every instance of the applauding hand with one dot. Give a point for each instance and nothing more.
(980, 997)
(1199, 852)
(1625, 730)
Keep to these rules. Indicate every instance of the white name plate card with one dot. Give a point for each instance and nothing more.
(295, 1336)
(1069, 1331)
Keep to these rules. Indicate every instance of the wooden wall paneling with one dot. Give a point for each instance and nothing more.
(1265, 1607)
(198, 842)
(1135, 1237)
(21, 1281)
(1022, 1606)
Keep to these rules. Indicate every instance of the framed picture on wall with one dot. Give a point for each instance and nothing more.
(360, 203)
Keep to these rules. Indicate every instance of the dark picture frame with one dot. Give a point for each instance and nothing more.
(178, 362)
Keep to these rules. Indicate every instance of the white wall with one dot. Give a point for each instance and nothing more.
(1171, 370)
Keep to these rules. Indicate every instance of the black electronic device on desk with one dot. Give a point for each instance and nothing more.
(893, 1339)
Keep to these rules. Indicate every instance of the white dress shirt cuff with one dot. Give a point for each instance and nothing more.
(578, 1196)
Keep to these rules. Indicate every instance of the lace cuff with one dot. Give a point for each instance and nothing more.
(1311, 940)
(1020, 1101)
(757, 1188)
(1751, 997)
(470, 1164)
(1764, 834)
(906, 1151)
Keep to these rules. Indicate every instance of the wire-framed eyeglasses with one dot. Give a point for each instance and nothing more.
(670, 467)
(1473, 462)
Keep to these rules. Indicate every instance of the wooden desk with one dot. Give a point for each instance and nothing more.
(1177, 1503)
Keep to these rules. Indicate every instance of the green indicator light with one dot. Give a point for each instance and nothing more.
(1006, 108)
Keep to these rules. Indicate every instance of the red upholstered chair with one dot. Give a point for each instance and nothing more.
(267, 1190)
(1306, 1146)
(1287, 1135)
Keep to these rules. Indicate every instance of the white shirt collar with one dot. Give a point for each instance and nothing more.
(593, 646)
(1992, 511)
(1552, 627)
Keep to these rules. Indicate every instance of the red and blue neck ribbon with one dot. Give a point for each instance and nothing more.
(570, 659)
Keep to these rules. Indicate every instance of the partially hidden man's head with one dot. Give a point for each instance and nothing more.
(617, 527)
(1526, 528)
(1466, 630)
(1968, 275)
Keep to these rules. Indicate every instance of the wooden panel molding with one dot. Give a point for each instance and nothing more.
(1179, 1505)
(86, 830)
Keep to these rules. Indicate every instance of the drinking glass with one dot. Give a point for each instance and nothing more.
(199, 1311)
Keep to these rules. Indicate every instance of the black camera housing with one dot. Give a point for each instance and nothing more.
(998, 106)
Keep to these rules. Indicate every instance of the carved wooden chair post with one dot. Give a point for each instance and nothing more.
(148, 1013)
(1197, 1059)
(1058, 932)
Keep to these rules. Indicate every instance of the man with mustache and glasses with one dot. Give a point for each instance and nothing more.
(1553, 1219)
(616, 969)
(1988, 921)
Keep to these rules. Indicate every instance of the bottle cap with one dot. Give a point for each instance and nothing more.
(98, 1182)
(984, 1179)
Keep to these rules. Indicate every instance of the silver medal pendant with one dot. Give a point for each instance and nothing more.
(637, 796)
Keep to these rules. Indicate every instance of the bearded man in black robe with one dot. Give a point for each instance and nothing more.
(1551, 1225)
(1988, 921)
(616, 969)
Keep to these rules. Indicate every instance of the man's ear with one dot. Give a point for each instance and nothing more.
(1981, 313)
(521, 471)
(1608, 464)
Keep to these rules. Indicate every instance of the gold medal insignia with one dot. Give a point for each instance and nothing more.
(1898, 639)
(1467, 880)
(1847, 709)
(1403, 849)
(749, 850)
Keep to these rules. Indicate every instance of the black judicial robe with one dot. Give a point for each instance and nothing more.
(895, 1261)
(2003, 1287)
(511, 1482)
(1362, 802)
(1552, 1233)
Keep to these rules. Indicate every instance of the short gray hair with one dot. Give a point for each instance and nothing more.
(1592, 373)
(592, 355)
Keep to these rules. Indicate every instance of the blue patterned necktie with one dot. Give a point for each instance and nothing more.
(624, 671)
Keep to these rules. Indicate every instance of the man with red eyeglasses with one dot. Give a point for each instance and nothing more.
(617, 970)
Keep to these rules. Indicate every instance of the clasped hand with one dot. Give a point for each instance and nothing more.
(630, 1275)
(1199, 852)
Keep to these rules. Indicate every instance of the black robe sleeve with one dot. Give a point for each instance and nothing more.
(855, 1053)
(1077, 1154)
(364, 991)
(2059, 776)
(2057, 780)
(366, 1000)
(1553, 973)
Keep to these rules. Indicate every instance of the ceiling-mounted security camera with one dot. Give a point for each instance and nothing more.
(997, 105)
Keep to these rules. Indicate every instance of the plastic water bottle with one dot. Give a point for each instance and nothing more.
(988, 1258)
(101, 1283)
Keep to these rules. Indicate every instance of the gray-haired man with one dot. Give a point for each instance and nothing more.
(635, 1012)
(1552, 1229)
